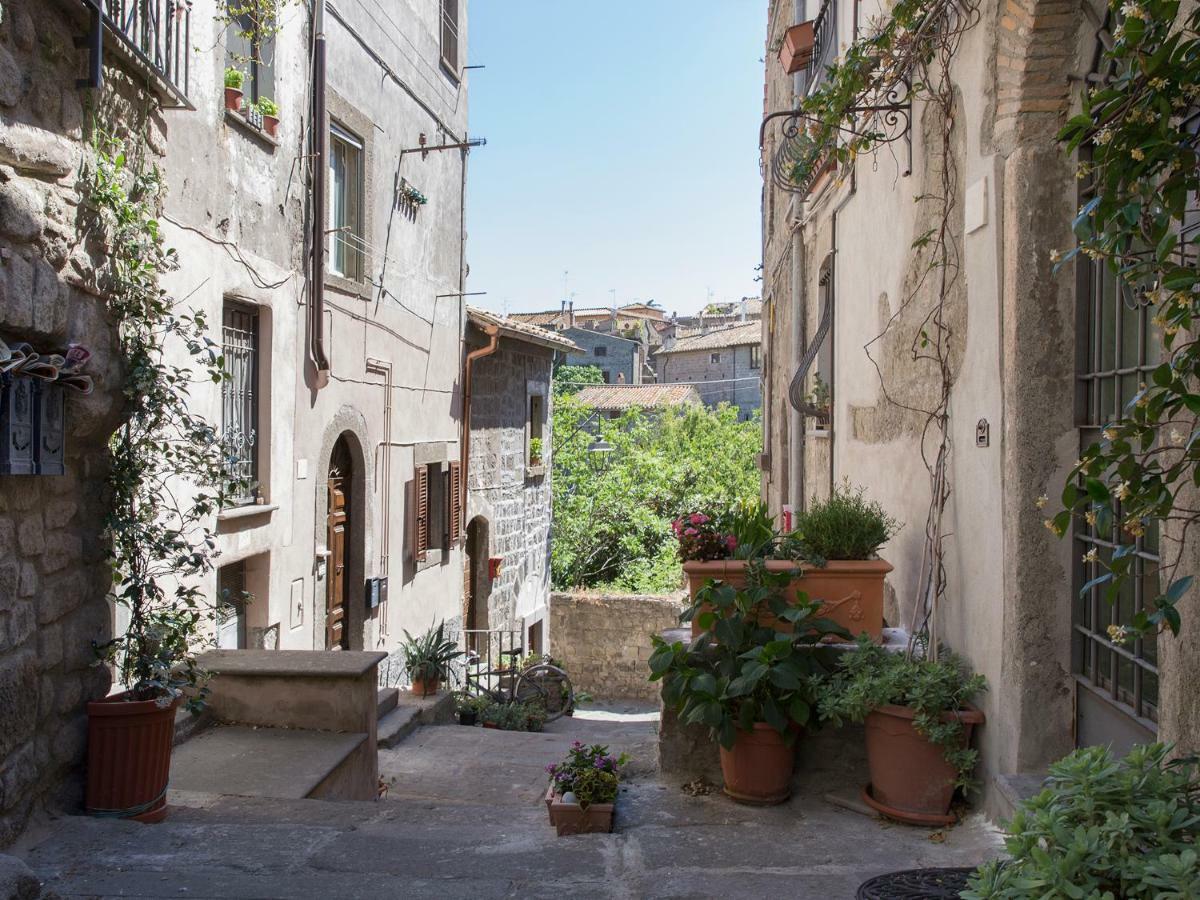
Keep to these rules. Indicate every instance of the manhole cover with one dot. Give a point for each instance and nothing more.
(915, 884)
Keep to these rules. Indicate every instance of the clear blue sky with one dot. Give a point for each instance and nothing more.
(622, 147)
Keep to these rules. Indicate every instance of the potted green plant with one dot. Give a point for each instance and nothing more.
(270, 115)
(427, 659)
(582, 793)
(535, 451)
(831, 555)
(491, 714)
(919, 719)
(753, 684)
(234, 79)
(467, 707)
(1102, 827)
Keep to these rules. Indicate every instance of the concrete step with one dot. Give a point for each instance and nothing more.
(1011, 790)
(410, 713)
(397, 725)
(260, 762)
(388, 697)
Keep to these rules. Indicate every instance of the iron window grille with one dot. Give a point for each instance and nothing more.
(825, 42)
(449, 45)
(154, 35)
(345, 209)
(239, 396)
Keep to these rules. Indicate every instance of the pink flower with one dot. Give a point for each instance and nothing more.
(690, 532)
(698, 519)
(731, 542)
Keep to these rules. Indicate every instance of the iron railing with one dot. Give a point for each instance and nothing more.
(824, 44)
(156, 36)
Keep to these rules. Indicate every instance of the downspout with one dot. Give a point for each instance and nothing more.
(493, 333)
(320, 139)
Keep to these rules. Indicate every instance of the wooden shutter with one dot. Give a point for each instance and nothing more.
(455, 505)
(421, 505)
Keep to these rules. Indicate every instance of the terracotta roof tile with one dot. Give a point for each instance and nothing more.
(522, 331)
(734, 336)
(627, 396)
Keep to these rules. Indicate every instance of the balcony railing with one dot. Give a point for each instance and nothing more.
(152, 35)
(824, 43)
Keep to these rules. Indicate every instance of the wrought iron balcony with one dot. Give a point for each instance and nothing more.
(825, 43)
(154, 36)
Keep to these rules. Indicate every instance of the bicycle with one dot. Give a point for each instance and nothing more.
(543, 684)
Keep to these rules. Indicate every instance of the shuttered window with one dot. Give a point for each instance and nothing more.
(450, 36)
(455, 504)
(421, 514)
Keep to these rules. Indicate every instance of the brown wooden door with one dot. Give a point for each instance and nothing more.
(336, 636)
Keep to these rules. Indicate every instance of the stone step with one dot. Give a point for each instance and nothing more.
(260, 762)
(1011, 790)
(388, 697)
(410, 713)
(397, 725)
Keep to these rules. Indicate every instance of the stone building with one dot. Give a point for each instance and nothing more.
(845, 303)
(725, 365)
(621, 360)
(508, 503)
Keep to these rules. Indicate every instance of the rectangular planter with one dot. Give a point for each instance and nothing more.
(571, 818)
(850, 591)
(797, 50)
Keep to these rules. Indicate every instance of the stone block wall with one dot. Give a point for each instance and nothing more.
(622, 356)
(53, 579)
(698, 368)
(603, 640)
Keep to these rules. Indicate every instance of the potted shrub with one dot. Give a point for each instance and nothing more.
(831, 555)
(535, 451)
(234, 79)
(583, 789)
(919, 720)
(427, 659)
(1102, 827)
(754, 685)
(270, 115)
(467, 706)
(490, 713)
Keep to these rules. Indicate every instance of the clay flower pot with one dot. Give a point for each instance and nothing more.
(129, 757)
(271, 125)
(797, 50)
(571, 818)
(850, 591)
(233, 99)
(758, 770)
(467, 717)
(910, 778)
(425, 687)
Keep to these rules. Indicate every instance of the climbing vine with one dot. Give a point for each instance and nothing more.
(167, 474)
(1138, 129)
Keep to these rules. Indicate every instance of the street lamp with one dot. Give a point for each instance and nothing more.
(598, 454)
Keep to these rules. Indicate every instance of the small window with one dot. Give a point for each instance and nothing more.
(435, 514)
(755, 356)
(347, 241)
(606, 375)
(715, 358)
(239, 400)
(536, 449)
(253, 55)
(600, 351)
(450, 36)
(231, 607)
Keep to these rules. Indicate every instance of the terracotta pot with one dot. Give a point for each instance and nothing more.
(910, 778)
(129, 757)
(491, 725)
(797, 50)
(850, 591)
(425, 687)
(758, 769)
(233, 99)
(571, 818)
(271, 125)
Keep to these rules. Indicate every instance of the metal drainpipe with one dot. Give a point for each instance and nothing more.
(493, 333)
(319, 163)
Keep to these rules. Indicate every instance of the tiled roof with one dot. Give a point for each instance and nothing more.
(626, 396)
(733, 336)
(522, 331)
(562, 317)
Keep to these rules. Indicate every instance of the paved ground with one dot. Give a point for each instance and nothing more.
(464, 818)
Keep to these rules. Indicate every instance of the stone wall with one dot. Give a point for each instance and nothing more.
(622, 356)
(53, 580)
(603, 640)
(698, 368)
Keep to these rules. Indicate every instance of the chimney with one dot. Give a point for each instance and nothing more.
(743, 315)
(620, 378)
(571, 313)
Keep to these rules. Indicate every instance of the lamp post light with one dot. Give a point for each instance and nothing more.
(599, 454)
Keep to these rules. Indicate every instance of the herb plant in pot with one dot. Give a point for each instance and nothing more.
(234, 79)
(919, 719)
(752, 684)
(427, 659)
(269, 110)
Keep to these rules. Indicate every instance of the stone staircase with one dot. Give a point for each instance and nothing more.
(401, 713)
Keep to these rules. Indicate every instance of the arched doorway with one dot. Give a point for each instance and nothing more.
(339, 523)
(477, 585)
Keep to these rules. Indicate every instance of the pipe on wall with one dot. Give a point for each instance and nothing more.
(493, 334)
(320, 132)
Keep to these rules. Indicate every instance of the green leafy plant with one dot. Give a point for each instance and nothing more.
(535, 450)
(234, 78)
(846, 526)
(1142, 176)
(570, 379)
(160, 550)
(512, 715)
(871, 677)
(412, 196)
(429, 656)
(752, 672)
(1103, 827)
(257, 22)
(591, 773)
(267, 107)
(752, 528)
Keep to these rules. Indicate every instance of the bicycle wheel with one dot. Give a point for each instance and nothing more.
(548, 684)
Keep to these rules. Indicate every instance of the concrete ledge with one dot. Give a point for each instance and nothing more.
(299, 663)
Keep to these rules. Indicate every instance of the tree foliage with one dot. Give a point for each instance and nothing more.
(569, 379)
(612, 517)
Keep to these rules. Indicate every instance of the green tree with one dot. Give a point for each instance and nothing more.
(569, 379)
(612, 517)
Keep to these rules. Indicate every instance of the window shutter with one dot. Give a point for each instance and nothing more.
(455, 504)
(421, 529)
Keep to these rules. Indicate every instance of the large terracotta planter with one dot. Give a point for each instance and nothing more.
(850, 591)
(910, 778)
(797, 49)
(129, 757)
(233, 99)
(571, 818)
(271, 125)
(425, 687)
(758, 770)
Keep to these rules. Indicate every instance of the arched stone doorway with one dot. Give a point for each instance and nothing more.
(344, 525)
(477, 585)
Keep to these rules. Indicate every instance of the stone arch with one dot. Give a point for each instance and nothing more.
(345, 439)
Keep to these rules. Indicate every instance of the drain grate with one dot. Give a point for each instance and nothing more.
(915, 884)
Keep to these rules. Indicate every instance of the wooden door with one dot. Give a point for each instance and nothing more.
(336, 636)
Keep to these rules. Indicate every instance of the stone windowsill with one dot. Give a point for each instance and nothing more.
(249, 511)
(344, 285)
(241, 122)
(817, 432)
(535, 471)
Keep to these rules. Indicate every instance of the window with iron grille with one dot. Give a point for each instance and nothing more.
(239, 400)
(450, 36)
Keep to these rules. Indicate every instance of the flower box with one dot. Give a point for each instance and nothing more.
(571, 818)
(797, 50)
